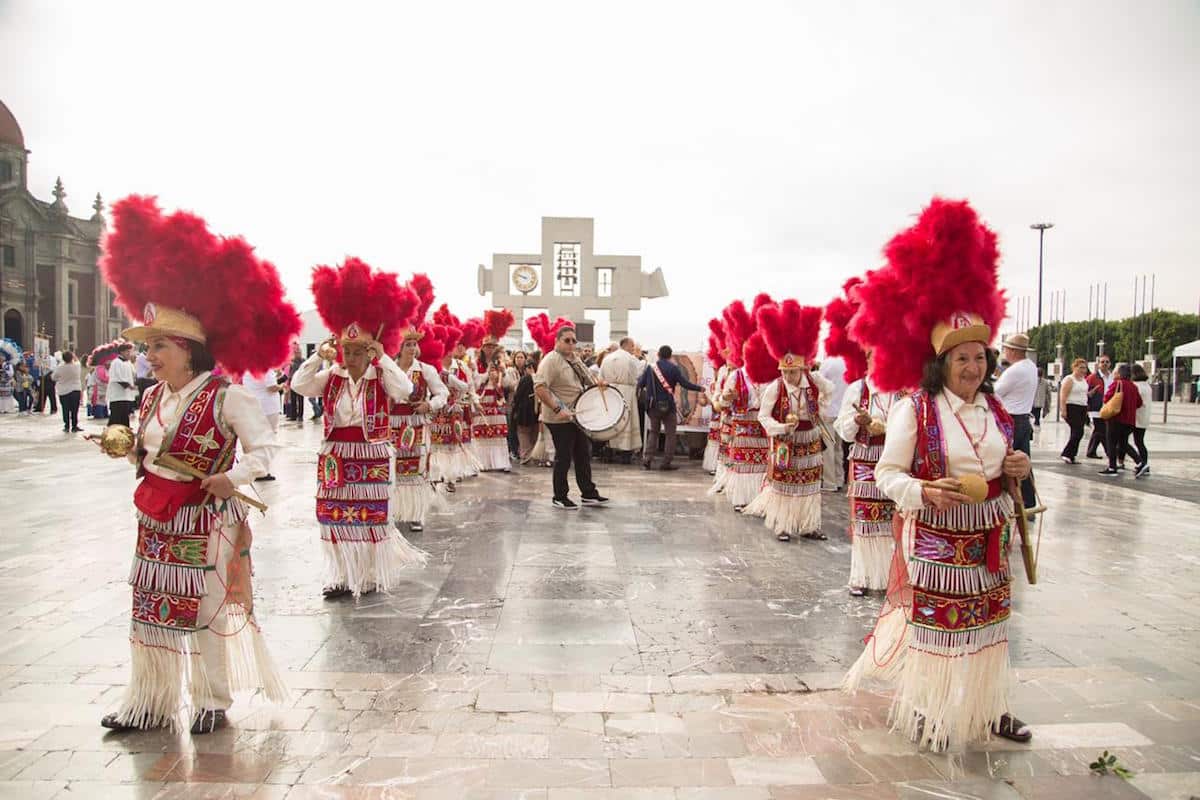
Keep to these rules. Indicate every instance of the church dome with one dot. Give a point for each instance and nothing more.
(10, 131)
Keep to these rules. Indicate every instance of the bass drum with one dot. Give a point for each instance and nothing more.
(600, 412)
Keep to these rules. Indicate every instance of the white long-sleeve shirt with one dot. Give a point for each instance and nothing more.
(310, 380)
(240, 411)
(880, 404)
(797, 402)
(892, 473)
(121, 371)
(264, 389)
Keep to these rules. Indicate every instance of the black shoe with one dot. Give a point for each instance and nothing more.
(1142, 469)
(566, 504)
(267, 477)
(647, 465)
(669, 467)
(208, 720)
(595, 500)
(784, 537)
(76, 430)
(1108, 473)
(66, 429)
(111, 722)
(858, 591)
(415, 527)
(1093, 455)
(334, 592)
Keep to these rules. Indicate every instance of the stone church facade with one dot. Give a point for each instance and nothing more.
(49, 279)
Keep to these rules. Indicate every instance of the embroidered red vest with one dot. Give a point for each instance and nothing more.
(375, 402)
(929, 456)
(198, 437)
(783, 404)
(863, 436)
(417, 395)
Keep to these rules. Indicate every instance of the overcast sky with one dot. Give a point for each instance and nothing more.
(740, 147)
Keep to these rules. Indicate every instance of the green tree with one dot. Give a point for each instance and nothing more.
(1124, 339)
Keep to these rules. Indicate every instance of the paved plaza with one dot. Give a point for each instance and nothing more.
(662, 648)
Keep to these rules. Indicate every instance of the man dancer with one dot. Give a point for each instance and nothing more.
(561, 377)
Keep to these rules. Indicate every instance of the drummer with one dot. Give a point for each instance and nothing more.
(659, 382)
(561, 377)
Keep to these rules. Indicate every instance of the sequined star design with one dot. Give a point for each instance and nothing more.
(154, 547)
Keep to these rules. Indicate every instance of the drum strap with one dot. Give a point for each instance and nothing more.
(585, 378)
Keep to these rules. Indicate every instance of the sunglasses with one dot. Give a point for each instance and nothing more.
(568, 341)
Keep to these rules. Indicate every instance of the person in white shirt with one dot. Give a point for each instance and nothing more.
(193, 637)
(122, 387)
(415, 495)
(791, 412)
(354, 490)
(47, 365)
(68, 383)
(833, 369)
(266, 390)
(941, 641)
(621, 370)
(862, 421)
(1016, 388)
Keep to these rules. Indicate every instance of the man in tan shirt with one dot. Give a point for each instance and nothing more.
(559, 380)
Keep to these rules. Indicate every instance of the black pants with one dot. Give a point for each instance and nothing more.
(1139, 442)
(70, 409)
(1037, 415)
(1117, 444)
(1076, 418)
(667, 423)
(142, 385)
(48, 391)
(1022, 434)
(571, 444)
(1099, 437)
(119, 411)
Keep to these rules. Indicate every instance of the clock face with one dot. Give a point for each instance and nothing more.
(525, 278)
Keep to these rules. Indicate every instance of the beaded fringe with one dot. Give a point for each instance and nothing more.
(871, 558)
(412, 502)
(493, 454)
(710, 456)
(155, 576)
(451, 463)
(198, 519)
(358, 450)
(787, 513)
(248, 663)
(162, 663)
(969, 516)
(362, 565)
(863, 452)
(867, 490)
(742, 487)
(946, 579)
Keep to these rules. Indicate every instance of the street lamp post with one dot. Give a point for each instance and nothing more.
(1040, 227)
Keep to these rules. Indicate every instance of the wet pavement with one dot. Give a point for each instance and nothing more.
(662, 647)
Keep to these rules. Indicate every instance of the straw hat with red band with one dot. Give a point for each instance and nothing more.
(179, 280)
(363, 305)
(938, 289)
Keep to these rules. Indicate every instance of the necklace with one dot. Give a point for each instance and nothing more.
(975, 443)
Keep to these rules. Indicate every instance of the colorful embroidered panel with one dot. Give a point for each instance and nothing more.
(166, 610)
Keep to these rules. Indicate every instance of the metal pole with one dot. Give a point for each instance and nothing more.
(1040, 227)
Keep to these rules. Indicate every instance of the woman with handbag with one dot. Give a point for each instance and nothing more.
(1121, 403)
(1073, 407)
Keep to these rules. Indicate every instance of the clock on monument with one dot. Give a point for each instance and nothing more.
(525, 278)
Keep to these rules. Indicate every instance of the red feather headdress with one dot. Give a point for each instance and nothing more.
(422, 288)
(738, 327)
(496, 324)
(937, 289)
(838, 314)
(760, 365)
(716, 344)
(179, 279)
(544, 332)
(360, 303)
(104, 354)
(790, 332)
(434, 339)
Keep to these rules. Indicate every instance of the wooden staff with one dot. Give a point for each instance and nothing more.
(1027, 556)
(182, 467)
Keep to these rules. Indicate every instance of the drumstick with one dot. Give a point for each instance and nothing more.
(175, 465)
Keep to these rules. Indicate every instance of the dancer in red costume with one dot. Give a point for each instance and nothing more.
(369, 310)
(490, 426)
(942, 638)
(779, 357)
(203, 300)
